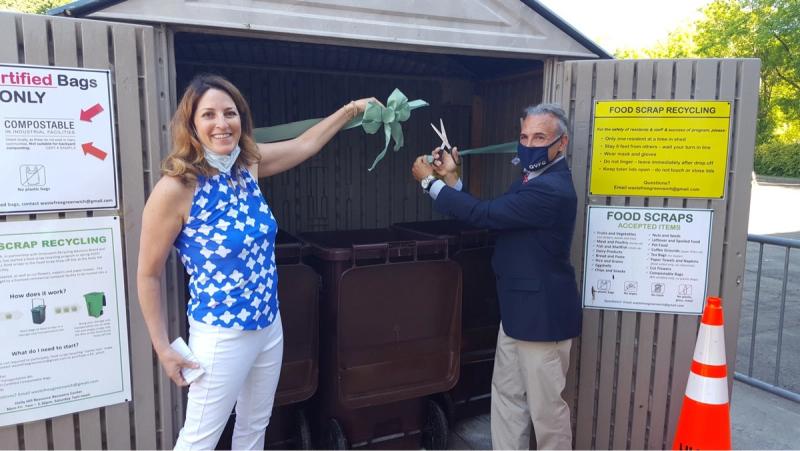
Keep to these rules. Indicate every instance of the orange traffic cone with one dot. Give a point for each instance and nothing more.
(705, 418)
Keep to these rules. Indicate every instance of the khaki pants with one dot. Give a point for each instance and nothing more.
(527, 382)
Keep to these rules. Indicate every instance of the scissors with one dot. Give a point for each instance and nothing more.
(443, 135)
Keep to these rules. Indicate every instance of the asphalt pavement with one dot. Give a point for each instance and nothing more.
(770, 314)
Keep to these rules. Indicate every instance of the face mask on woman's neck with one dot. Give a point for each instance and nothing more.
(222, 163)
(533, 158)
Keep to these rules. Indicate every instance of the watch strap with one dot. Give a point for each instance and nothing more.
(427, 182)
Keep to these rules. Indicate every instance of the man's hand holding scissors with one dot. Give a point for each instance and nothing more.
(445, 163)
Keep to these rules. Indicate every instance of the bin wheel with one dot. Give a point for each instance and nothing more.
(445, 401)
(435, 433)
(302, 438)
(334, 437)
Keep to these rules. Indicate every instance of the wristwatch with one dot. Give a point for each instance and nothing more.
(427, 182)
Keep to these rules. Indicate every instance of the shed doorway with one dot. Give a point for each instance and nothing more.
(479, 99)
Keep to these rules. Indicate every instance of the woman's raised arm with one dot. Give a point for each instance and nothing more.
(284, 155)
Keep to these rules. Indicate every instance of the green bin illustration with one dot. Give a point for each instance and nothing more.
(95, 303)
(38, 312)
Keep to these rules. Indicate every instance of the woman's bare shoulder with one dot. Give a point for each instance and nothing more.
(171, 194)
(173, 187)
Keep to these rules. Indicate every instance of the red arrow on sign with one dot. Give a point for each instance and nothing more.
(89, 148)
(87, 115)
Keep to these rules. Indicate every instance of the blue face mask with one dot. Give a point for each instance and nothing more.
(533, 158)
(223, 163)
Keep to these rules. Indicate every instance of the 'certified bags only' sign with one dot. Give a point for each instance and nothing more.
(57, 146)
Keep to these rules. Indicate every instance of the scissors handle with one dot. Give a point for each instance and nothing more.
(431, 159)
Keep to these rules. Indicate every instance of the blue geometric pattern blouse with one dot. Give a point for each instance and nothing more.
(228, 249)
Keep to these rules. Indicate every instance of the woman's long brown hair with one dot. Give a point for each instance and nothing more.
(187, 160)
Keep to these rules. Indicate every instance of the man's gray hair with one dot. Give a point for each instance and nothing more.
(551, 109)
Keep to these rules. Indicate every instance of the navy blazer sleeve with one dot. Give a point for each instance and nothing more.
(536, 286)
(531, 205)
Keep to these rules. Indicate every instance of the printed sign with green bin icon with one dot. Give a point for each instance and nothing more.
(38, 311)
(94, 303)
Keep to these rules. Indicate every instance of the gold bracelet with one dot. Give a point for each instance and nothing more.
(353, 109)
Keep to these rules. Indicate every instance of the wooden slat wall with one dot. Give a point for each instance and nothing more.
(503, 100)
(159, 78)
(9, 437)
(129, 52)
(629, 370)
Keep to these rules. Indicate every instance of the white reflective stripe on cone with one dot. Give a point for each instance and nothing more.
(708, 390)
(710, 348)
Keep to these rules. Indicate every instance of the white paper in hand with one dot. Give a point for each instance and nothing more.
(189, 374)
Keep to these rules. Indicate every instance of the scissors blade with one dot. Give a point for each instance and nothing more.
(442, 137)
(445, 141)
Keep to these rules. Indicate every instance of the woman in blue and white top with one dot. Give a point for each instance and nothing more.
(209, 207)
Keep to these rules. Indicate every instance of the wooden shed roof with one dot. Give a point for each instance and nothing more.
(518, 28)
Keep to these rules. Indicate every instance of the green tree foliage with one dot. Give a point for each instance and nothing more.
(31, 6)
(765, 29)
(679, 44)
(778, 159)
(631, 54)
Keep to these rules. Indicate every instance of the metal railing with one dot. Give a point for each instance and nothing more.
(773, 326)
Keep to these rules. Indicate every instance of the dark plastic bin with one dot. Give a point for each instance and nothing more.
(480, 312)
(298, 293)
(390, 314)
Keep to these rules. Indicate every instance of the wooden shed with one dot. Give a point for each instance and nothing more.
(478, 63)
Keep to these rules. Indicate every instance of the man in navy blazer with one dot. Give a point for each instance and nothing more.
(540, 309)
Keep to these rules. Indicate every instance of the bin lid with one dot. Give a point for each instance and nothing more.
(456, 233)
(284, 237)
(288, 249)
(338, 245)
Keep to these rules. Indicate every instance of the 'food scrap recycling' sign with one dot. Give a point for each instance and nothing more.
(57, 146)
(63, 321)
(660, 148)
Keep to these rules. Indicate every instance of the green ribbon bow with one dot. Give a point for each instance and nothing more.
(398, 109)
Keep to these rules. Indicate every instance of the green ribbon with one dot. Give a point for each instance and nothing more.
(510, 147)
(494, 148)
(398, 109)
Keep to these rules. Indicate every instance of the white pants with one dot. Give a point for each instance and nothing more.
(242, 367)
(527, 382)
